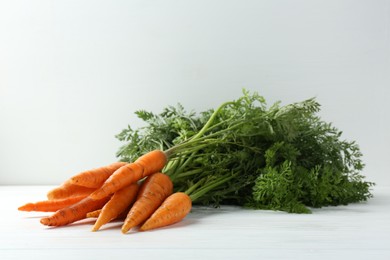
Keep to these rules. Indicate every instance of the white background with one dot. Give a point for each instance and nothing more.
(72, 73)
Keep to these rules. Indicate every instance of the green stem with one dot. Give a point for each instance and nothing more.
(193, 187)
(210, 121)
(186, 162)
(180, 164)
(172, 165)
(201, 132)
(209, 186)
(188, 173)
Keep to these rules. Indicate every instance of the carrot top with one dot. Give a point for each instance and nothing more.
(247, 153)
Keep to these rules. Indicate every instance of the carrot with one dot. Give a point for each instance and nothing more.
(153, 191)
(51, 205)
(96, 177)
(74, 212)
(94, 214)
(119, 202)
(68, 189)
(152, 162)
(145, 165)
(171, 211)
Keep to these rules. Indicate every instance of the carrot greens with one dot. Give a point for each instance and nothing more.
(250, 154)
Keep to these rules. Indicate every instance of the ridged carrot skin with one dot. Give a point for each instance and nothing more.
(67, 189)
(119, 202)
(74, 213)
(51, 205)
(172, 210)
(145, 165)
(153, 192)
(96, 213)
(122, 177)
(152, 162)
(95, 178)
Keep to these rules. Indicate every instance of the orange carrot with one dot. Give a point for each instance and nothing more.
(68, 189)
(51, 205)
(94, 214)
(96, 177)
(74, 212)
(153, 192)
(145, 165)
(152, 162)
(119, 202)
(171, 211)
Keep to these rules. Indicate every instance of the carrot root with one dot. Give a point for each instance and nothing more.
(172, 210)
(145, 165)
(96, 177)
(67, 189)
(94, 214)
(73, 213)
(51, 205)
(152, 193)
(119, 202)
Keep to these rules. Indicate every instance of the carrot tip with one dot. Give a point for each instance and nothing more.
(45, 221)
(94, 229)
(26, 207)
(125, 230)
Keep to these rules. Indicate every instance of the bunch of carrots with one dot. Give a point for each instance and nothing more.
(136, 191)
(240, 153)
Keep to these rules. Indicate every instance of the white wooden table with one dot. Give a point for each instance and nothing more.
(356, 231)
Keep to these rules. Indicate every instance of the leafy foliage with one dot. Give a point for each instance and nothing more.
(162, 131)
(243, 153)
